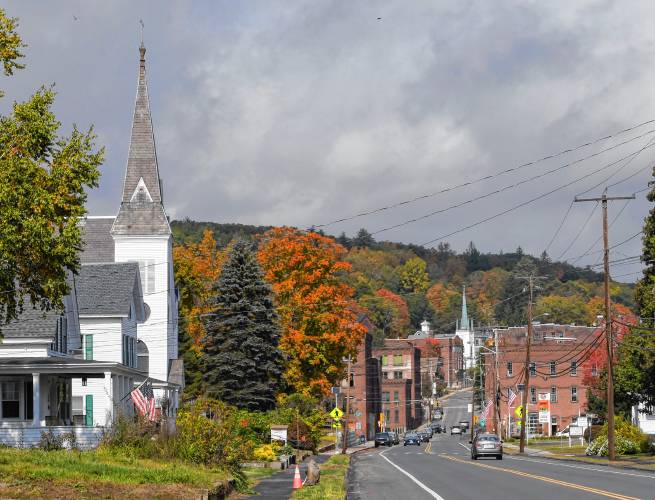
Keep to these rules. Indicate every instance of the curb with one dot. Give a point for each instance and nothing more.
(221, 491)
(614, 465)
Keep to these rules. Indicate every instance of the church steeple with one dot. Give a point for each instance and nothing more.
(141, 209)
(464, 321)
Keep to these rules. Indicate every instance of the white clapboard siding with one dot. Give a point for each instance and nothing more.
(20, 436)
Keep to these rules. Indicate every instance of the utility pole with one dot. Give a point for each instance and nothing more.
(611, 453)
(345, 426)
(496, 387)
(526, 376)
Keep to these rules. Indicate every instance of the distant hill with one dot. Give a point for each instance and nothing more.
(494, 291)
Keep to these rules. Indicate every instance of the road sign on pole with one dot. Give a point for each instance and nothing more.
(336, 413)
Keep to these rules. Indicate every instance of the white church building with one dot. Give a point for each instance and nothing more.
(140, 233)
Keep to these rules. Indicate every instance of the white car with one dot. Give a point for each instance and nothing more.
(455, 429)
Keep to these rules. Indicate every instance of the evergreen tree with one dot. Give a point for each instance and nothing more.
(363, 239)
(512, 310)
(242, 362)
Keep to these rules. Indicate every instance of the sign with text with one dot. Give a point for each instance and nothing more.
(582, 422)
(574, 430)
(544, 411)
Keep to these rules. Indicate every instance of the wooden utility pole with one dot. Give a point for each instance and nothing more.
(611, 454)
(526, 376)
(347, 415)
(496, 387)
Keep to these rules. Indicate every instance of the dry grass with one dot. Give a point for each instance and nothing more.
(333, 481)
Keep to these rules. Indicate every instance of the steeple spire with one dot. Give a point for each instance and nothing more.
(141, 209)
(464, 322)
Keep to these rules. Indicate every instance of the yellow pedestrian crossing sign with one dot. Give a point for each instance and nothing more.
(519, 411)
(336, 413)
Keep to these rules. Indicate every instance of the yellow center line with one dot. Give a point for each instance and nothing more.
(544, 478)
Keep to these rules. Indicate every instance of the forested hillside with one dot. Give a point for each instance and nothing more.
(399, 285)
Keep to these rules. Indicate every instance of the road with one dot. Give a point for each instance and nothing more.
(447, 472)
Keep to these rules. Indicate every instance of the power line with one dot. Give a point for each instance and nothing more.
(531, 200)
(577, 236)
(497, 174)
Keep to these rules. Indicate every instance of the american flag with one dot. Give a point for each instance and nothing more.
(511, 397)
(487, 409)
(144, 400)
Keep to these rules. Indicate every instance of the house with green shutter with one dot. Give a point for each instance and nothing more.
(73, 371)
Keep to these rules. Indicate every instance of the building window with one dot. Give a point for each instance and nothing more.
(147, 269)
(533, 369)
(385, 375)
(574, 368)
(553, 394)
(396, 416)
(510, 368)
(574, 394)
(397, 360)
(10, 399)
(385, 397)
(395, 396)
(385, 360)
(553, 368)
(397, 375)
(520, 387)
(594, 370)
(387, 414)
(533, 394)
(88, 347)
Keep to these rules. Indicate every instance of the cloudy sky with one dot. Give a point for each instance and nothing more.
(303, 112)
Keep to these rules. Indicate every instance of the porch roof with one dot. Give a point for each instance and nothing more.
(74, 367)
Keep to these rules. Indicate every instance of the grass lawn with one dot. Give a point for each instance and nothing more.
(332, 485)
(97, 474)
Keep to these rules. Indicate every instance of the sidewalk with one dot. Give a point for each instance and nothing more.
(534, 452)
(279, 486)
(354, 449)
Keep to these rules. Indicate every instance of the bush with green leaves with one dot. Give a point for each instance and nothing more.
(629, 440)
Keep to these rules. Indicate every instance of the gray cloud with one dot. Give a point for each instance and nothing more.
(302, 112)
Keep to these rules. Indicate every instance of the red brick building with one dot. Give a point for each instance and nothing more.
(557, 355)
(400, 384)
(442, 358)
(364, 381)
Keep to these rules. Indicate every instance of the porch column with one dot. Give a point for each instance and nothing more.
(36, 400)
(109, 391)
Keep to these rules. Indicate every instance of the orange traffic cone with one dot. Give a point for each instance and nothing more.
(297, 483)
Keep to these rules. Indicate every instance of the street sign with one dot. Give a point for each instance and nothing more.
(591, 416)
(574, 430)
(336, 413)
(582, 422)
(544, 411)
(519, 411)
(336, 425)
(544, 396)
(470, 407)
(336, 390)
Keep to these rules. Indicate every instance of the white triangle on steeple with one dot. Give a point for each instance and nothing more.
(141, 193)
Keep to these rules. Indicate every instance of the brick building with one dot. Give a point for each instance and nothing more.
(557, 355)
(364, 381)
(400, 384)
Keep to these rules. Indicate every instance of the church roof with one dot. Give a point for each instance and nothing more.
(97, 243)
(142, 211)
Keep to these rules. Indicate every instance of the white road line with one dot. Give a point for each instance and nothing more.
(467, 447)
(430, 492)
(605, 470)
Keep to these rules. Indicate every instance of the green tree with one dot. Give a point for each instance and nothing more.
(242, 362)
(413, 276)
(43, 181)
(511, 309)
(562, 309)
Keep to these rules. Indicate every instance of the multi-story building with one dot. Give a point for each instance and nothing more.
(442, 360)
(556, 359)
(364, 381)
(400, 384)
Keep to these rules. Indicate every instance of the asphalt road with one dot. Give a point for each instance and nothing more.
(444, 470)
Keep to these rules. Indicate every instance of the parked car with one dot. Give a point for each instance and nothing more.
(412, 438)
(394, 437)
(438, 414)
(455, 429)
(424, 436)
(485, 445)
(436, 427)
(429, 430)
(383, 439)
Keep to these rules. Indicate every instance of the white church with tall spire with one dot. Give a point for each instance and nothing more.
(464, 330)
(141, 233)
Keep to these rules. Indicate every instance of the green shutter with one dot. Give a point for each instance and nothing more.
(88, 347)
(89, 410)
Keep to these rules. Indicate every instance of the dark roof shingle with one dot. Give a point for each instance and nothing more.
(97, 243)
(106, 289)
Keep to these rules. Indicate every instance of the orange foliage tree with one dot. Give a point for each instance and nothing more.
(439, 297)
(316, 308)
(197, 267)
(400, 323)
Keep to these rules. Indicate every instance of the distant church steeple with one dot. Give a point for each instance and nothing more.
(141, 211)
(464, 321)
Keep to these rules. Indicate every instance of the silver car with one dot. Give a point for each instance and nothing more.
(487, 445)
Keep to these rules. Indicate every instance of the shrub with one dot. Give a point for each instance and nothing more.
(629, 440)
(134, 438)
(50, 441)
(266, 452)
(208, 433)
